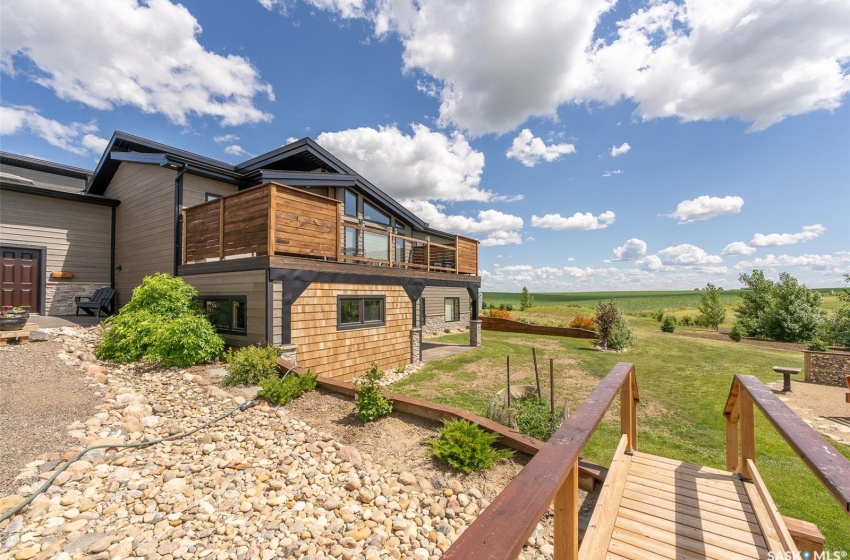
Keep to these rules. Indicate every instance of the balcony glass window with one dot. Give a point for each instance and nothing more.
(351, 244)
(350, 204)
(371, 213)
(375, 246)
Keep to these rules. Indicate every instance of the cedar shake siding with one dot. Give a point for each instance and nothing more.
(248, 284)
(346, 353)
(144, 225)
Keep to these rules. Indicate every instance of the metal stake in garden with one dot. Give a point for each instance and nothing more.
(536, 375)
(509, 384)
(552, 387)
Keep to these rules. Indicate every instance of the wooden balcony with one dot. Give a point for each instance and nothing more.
(275, 219)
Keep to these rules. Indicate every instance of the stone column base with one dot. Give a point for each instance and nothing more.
(288, 352)
(415, 345)
(475, 333)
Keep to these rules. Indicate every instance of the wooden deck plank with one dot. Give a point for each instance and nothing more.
(681, 542)
(693, 489)
(738, 529)
(598, 533)
(666, 500)
(629, 551)
(768, 530)
(679, 529)
(729, 486)
(640, 456)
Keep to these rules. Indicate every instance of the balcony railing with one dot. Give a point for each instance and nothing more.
(275, 219)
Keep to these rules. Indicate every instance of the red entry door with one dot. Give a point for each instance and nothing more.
(19, 278)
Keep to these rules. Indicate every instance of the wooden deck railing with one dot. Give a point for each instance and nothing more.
(277, 219)
(827, 464)
(502, 529)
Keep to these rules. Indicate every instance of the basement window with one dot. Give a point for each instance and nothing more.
(228, 314)
(360, 312)
(452, 306)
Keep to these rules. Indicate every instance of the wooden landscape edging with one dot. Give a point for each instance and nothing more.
(507, 325)
(508, 437)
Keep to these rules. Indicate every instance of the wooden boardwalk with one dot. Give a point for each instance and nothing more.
(670, 509)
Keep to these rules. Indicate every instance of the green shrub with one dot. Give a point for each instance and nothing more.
(162, 323)
(658, 315)
(669, 323)
(621, 336)
(818, 345)
(370, 403)
(686, 321)
(737, 333)
(509, 307)
(280, 391)
(466, 447)
(534, 418)
(250, 365)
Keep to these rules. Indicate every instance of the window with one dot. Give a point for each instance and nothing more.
(358, 312)
(350, 205)
(452, 309)
(211, 196)
(375, 246)
(351, 244)
(227, 314)
(399, 250)
(371, 213)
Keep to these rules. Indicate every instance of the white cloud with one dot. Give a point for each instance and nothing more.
(706, 207)
(578, 220)
(836, 263)
(632, 249)
(696, 60)
(687, 254)
(347, 9)
(77, 138)
(650, 263)
(737, 248)
(777, 239)
(427, 165)
(611, 173)
(122, 52)
(530, 150)
(500, 228)
(235, 150)
(225, 138)
(618, 151)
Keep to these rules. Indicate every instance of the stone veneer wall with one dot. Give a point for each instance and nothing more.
(436, 324)
(59, 296)
(827, 368)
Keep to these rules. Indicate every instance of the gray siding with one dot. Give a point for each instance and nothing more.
(435, 300)
(144, 225)
(42, 177)
(249, 283)
(76, 234)
(195, 189)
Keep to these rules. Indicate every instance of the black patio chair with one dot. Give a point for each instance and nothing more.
(102, 300)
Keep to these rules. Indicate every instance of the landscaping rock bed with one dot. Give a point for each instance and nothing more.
(262, 483)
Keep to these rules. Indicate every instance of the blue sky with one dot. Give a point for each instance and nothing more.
(594, 145)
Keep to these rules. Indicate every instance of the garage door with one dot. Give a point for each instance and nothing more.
(19, 278)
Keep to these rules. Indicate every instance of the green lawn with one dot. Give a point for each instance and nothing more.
(683, 384)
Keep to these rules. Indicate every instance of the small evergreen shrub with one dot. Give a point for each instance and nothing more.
(509, 307)
(370, 403)
(250, 365)
(668, 324)
(466, 447)
(736, 333)
(686, 321)
(281, 391)
(583, 322)
(533, 418)
(162, 323)
(818, 345)
(621, 336)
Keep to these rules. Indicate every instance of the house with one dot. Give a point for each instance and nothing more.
(292, 247)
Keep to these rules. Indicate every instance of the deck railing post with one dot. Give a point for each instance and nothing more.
(748, 434)
(221, 202)
(566, 517)
(628, 411)
(732, 437)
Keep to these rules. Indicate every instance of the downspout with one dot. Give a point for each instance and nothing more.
(112, 250)
(178, 218)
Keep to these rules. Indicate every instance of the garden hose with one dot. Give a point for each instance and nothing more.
(241, 408)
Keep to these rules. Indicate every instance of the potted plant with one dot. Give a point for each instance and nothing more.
(13, 318)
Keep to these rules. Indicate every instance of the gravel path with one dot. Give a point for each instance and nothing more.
(30, 423)
(261, 483)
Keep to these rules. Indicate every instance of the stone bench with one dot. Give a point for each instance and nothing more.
(786, 372)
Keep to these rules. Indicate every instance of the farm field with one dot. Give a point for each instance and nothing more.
(683, 382)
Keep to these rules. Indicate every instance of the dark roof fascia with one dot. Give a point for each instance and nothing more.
(303, 179)
(126, 143)
(27, 162)
(168, 160)
(64, 195)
